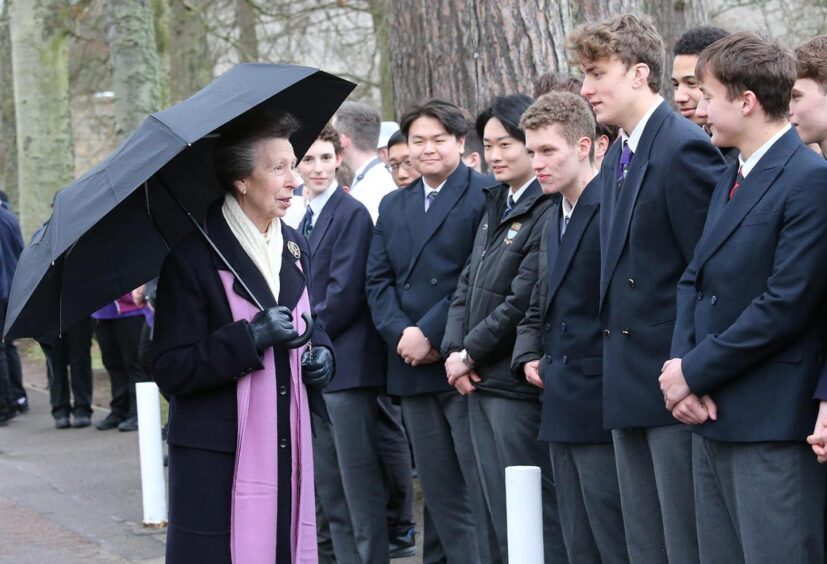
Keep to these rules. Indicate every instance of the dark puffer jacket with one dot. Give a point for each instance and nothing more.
(495, 289)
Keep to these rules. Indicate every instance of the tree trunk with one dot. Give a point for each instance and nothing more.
(40, 59)
(8, 127)
(378, 11)
(246, 21)
(160, 21)
(672, 18)
(191, 66)
(467, 51)
(133, 51)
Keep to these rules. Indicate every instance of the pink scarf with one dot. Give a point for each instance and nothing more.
(255, 485)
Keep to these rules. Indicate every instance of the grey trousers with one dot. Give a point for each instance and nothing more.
(588, 496)
(758, 502)
(654, 471)
(348, 476)
(504, 433)
(395, 460)
(438, 429)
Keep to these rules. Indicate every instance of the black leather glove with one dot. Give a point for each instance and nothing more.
(317, 367)
(272, 327)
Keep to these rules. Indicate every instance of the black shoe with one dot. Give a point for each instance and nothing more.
(22, 405)
(80, 421)
(130, 424)
(403, 546)
(62, 422)
(111, 421)
(5, 418)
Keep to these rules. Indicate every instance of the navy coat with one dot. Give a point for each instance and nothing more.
(647, 236)
(750, 305)
(199, 352)
(562, 326)
(11, 245)
(339, 246)
(414, 263)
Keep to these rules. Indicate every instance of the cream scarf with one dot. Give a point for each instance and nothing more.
(263, 249)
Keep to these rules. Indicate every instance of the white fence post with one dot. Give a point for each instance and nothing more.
(524, 509)
(153, 483)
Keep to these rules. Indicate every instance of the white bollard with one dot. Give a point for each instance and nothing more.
(524, 513)
(153, 486)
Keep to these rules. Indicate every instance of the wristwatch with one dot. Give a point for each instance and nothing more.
(463, 356)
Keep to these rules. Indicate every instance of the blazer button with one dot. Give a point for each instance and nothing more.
(565, 359)
(631, 282)
(282, 390)
(547, 327)
(563, 326)
(548, 358)
(407, 286)
(700, 296)
(606, 333)
(713, 299)
(626, 333)
(283, 443)
(433, 281)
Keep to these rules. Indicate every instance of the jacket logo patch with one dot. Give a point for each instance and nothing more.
(294, 249)
(512, 232)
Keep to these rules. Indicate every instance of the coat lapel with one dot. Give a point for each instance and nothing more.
(324, 220)
(424, 225)
(228, 245)
(560, 254)
(292, 280)
(622, 212)
(730, 213)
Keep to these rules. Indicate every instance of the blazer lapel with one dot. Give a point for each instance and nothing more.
(560, 257)
(730, 213)
(231, 249)
(621, 216)
(324, 220)
(423, 230)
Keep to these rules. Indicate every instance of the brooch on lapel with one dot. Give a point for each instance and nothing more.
(512, 232)
(294, 249)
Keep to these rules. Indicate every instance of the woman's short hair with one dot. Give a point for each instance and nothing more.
(235, 151)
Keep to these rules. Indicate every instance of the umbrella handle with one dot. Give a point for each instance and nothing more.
(304, 337)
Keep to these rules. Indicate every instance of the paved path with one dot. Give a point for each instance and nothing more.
(70, 495)
(73, 495)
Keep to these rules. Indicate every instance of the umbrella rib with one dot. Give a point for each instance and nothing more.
(212, 245)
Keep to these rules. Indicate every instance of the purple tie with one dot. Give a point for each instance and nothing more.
(429, 199)
(623, 165)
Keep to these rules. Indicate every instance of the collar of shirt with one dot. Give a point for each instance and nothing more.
(566, 207)
(518, 194)
(749, 164)
(637, 132)
(317, 204)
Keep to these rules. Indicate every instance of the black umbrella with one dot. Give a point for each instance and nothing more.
(111, 229)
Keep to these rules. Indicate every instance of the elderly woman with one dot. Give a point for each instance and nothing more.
(240, 457)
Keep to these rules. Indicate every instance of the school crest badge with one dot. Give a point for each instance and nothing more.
(512, 232)
(294, 249)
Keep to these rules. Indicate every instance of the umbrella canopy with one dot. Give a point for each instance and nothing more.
(111, 229)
